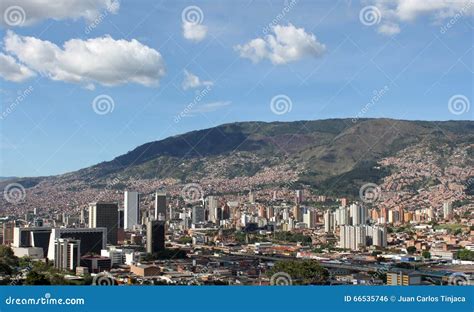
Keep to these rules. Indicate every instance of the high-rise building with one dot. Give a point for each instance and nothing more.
(155, 236)
(131, 206)
(299, 196)
(447, 210)
(270, 212)
(329, 224)
(212, 205)
(198, 215)
(297, 215)
(93, 240)
(342, 216)
(358, 214)
(7, 233)
(353, 237)
(160, 206)
(67, 255)
(102, 214)
(309, 217)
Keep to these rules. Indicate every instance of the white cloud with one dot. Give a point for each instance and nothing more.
(11, 70)
(192, 81)
(33, 11)
(395, 12)
(286, 44)
(194, 31)
(100, 60)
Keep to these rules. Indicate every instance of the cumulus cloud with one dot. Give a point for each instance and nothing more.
(194, 31)
(11, 70)
(99, 60)
(192, 81)
(286, 44)
(33, 11)
(398, 11)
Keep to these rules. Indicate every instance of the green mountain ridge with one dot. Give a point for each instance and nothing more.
(327, 153)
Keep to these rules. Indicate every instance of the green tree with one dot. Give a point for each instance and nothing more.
(8, 260)
(426, 254)
(305, 272)
(35, 278)
(411, 250)
(465, 254)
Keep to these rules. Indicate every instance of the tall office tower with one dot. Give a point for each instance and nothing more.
(198, 215)
(226, 215)
(379, 236)
(383, 215)
(82, 216)
(131, 204)
(92, 240)
(251, 197)
(297, 215)
(286, 214)
(309, 217)
(262, 212)
(358, 214)
(102, 214)
(155, 236)
(341, 216)
(447, 210)
(67, 255)
(212, 205)
(160, 206)
(7, 233)
(270, 212)
(299, 196)
(329, 224)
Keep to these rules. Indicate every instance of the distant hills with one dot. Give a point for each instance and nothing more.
(330, 154)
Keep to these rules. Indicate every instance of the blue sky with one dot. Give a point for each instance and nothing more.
(327, 58)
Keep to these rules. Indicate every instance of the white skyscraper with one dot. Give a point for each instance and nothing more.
(131, 209)
(358, 214)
